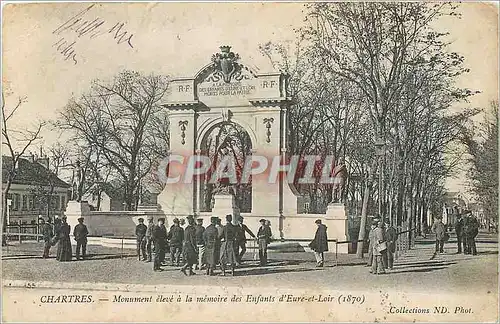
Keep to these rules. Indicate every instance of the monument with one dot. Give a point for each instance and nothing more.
(229, 92)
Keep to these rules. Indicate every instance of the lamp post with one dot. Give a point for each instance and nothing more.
(380, 152)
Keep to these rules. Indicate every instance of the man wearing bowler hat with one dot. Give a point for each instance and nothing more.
(80, 233)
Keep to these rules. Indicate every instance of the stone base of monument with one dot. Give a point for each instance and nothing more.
(224, 205)
(75, 210)
(336, 221)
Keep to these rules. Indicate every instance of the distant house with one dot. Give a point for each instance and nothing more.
(454, 204)
(35, 190)
(111, 197)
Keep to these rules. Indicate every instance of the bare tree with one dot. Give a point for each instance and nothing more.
(17, 143)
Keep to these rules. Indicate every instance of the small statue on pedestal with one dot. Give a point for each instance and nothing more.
(340, 175)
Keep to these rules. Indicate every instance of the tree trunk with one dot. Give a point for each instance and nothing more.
(366, 197)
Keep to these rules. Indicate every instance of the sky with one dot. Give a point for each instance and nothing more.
(178, 39)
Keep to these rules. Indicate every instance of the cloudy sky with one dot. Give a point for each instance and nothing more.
(178, 39)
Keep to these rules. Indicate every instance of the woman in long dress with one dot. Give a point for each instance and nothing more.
(64, 251)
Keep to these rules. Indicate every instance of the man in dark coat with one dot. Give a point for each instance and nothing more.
(189, 249)
(263, 237)
(159, 239)
(149, 238)
(471, 228)
(229, 246)
(200, 243)
(140, 234)
(391, 236)
(242, 239)
(459, 231)
(47, 234)
(176, 238)
(212, 246)
(320, 243)
(80, 233)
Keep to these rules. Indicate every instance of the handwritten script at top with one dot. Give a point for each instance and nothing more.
(81, 25)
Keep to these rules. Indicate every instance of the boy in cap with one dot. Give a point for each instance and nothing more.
(80, 233)
(140, 233)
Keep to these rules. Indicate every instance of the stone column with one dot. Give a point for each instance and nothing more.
(75, 210)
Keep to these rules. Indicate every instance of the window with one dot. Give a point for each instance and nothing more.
(306, 207)
(58, 202)
(63, 203)
(15, 201)
(31, 202)
(25, 202)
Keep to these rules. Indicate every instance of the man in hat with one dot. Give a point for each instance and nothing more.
(320, 243)
(439, 229)
(189, 248)
(80, 233)
(229, 246)
(242, 239)
(140, 233)
(220, 228)
(176, 237)
(159, 239)
(149, 237)
(200, 243)
(47, 234)
(212, 246)
(459, 230)
(391, 236)
(379, 246)
(471, 229)
(264, 237)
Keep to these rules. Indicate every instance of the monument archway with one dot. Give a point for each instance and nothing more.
(227, 90)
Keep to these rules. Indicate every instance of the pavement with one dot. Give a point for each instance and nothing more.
(417, 270)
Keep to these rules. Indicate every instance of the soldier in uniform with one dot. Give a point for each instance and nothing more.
(140, 233)
(189, 248)
(176, 238)
(212, 246)
(149, 237)
(159, 239)
(200, 243)
(80, 233)
(47, 235)
(242, 239)
(264, 237)
(229, 246)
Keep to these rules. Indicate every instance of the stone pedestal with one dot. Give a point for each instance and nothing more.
(336, 220)
(75, 210)
(224, 204)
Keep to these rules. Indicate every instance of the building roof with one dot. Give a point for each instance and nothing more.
(30, 173)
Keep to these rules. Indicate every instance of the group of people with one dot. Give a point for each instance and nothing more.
(200, 247)
(466, 229)
(59, 233)
(382, 246)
